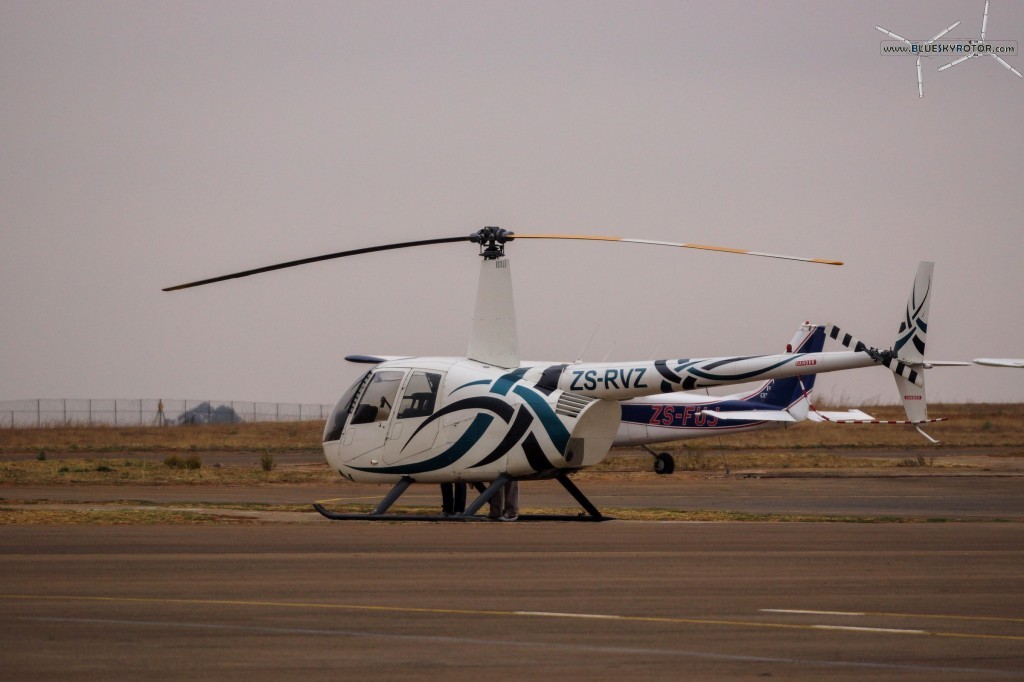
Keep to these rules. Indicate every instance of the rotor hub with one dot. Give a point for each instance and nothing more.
(492, 241)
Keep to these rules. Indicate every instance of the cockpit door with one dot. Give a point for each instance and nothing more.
(410, 434)
(367, 430)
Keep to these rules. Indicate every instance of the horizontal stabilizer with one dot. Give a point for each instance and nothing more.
(848, 417)
(872, 420)
(752, 415)
(916, 424)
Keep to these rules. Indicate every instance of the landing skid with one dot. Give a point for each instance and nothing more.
(380, 513)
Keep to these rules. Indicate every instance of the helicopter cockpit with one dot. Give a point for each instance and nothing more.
(372, 399)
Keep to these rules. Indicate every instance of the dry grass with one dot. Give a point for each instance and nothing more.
(103, 517)
(805, 446)
(635, 461)
(259, 437)
(114, 516)
(970, 425)
(142, 472)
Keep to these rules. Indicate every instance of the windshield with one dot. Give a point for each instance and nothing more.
(336, 423)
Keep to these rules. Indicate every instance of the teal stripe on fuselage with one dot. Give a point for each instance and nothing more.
(552, 424)
(459, 448)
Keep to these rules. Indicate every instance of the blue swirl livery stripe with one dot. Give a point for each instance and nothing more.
(913, 323)
(505, 382)
(472, 383)
(495, 405)
(669, 377)
(726, 361)
(535, 454)
(519, 427)
(459, 448)
(552, 424)
(743, 375)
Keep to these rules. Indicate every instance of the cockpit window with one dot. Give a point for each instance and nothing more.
(420, 394)
(379, 397)
(336, 424)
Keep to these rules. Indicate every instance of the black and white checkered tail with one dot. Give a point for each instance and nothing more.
(882, 357)
(909, 379)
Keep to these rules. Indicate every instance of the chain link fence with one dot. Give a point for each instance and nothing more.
(151, 412)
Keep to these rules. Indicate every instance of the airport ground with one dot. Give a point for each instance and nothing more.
(908, 572)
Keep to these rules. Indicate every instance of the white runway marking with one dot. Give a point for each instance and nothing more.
(558, 646)
(854, 628)
(555, 614)
(814, 613)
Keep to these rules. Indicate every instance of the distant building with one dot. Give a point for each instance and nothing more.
(204, 413)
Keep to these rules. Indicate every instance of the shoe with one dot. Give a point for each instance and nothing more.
(510, 517)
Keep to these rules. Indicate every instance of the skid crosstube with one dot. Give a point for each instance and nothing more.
(380, 512)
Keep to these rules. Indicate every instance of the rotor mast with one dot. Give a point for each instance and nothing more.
(494, 338)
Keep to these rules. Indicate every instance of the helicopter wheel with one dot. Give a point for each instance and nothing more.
(664, 463)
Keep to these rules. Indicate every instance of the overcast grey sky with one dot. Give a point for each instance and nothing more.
(146, 144)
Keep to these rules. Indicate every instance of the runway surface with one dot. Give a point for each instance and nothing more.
(933, 592)
(618, 600)
(925, 496)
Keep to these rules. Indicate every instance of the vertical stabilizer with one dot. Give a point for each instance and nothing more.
(910, 342)
(793, 393)
(494, 340)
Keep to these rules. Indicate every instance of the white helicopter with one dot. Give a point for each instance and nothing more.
(485, 419)
(687, 415)
(776, 403)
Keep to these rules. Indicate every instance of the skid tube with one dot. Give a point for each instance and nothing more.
(592, 514)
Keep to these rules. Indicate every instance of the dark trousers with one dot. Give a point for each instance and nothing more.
(453, 498)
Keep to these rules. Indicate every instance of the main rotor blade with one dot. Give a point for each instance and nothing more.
(684, 245)
(317, 259)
